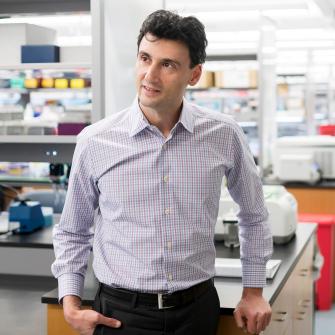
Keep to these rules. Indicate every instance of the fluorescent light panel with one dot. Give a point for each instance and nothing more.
(237, 5)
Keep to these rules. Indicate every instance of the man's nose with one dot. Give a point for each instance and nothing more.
(151, 73)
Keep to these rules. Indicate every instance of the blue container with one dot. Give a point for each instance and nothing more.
(28, 214)
(39, 54)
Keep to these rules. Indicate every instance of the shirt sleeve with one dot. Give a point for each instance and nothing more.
(72, 236)
(245, 187)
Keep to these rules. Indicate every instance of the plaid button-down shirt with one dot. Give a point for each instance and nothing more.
(154, 201)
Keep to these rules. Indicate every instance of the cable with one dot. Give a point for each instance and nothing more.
(17, 196)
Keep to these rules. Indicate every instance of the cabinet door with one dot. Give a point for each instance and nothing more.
(281, 321)
(303, 295)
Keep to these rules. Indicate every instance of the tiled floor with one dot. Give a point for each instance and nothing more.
(23, 314)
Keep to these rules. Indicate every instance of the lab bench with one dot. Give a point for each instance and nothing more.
(290, 292)
(27, 254)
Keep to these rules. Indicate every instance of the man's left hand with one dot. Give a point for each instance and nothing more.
(253, 312)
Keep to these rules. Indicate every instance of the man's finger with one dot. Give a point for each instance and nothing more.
(109, 322)
(260, 323)
(251, 326)
(269, 318)
(238, 318)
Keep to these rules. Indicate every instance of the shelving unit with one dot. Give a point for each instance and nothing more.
(53, 149)
(66, 139)
(42, 148)
(27, 90)
(291, 105)
(47, 66)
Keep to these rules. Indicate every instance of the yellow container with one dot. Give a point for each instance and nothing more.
(32, 83)
(61, 83)
(77, 83)
(47, 83)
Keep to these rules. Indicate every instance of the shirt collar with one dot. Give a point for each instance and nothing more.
(139, 122)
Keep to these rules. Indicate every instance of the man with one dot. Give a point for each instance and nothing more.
(151, 177)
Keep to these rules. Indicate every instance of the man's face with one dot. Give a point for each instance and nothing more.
(163, 72)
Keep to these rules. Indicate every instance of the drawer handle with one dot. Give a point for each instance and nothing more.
(281, 316)
(305, 303)
(301, 315)
(303, 272)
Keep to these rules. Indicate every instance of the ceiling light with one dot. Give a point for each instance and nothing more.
(224, 36)
(305, 44)
(236, 45)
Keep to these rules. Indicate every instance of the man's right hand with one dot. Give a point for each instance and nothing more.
(84, 321)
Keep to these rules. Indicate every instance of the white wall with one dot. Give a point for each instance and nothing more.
(115, 26)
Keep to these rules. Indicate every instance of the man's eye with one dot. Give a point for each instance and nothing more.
(144, 58)
(167, 64)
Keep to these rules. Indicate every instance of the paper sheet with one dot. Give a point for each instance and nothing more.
(232, 267)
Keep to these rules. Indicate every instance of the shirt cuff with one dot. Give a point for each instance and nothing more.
(70, 284)
(253, 275)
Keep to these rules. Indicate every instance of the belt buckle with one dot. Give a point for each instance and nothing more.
(161, 302)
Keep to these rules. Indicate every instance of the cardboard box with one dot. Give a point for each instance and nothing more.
(206, 80)
(13, 35)
(236, 79)
(219, 79)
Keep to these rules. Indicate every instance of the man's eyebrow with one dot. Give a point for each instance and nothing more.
(169, 60)
(143, 53)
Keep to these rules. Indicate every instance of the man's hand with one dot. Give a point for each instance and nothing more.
(253, 313)
(84, 321)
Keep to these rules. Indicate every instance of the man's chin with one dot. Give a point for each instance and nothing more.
(147, 102)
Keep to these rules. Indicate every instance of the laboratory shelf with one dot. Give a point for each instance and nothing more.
(33, 66)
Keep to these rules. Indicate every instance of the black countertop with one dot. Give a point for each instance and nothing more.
(328, 183)
(41, 238)
(230, 289)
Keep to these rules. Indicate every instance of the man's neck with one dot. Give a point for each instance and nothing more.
(164, 120)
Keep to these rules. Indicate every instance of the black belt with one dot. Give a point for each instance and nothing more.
(159, 300)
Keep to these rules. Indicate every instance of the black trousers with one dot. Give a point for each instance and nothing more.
(199, 317)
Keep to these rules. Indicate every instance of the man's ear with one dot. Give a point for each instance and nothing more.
(196, 74)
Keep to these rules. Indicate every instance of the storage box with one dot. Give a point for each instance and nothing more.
(236, 79)
(206, 80)
(40, 54)
(328, 129)
(13, 35)
(76, 54)
(70, 128)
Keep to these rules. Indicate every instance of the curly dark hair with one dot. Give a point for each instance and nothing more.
(188, 30)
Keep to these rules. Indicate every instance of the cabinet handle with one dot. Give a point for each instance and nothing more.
(303, 272)
(281, 316)
(305, 303)
(301, 315)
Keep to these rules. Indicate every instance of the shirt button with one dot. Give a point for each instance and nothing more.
(164, 146)
(170, 276)
(166, 179)
(167, 211)
(169, 244)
